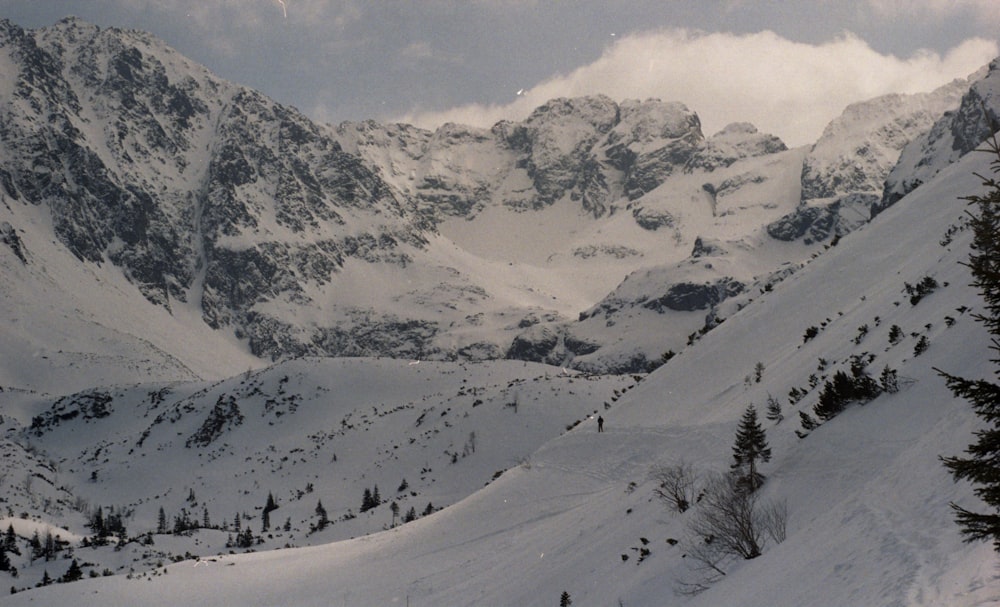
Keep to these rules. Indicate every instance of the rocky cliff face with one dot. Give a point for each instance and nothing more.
(589, 151)
(845, 171)
(956, 133)
(199, 190)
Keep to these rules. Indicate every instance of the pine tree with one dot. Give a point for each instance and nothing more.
(49, 547)
(564, 600)
(774, 410)
(323, 518)
(981, 466)
(269, 507)
(833, 399)
(808, 423)
(244, 539)
(35, 543)
(161, 521)
(750, 446)
(97, 523)
(74, 573)
(10, 541)
(4, 559)
(366, 500)
(889, 380)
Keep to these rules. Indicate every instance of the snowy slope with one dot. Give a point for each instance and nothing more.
(305, 432)
(867, 498)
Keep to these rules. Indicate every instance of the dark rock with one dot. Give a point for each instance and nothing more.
(8, 236)
(652, 220)
(225, 415)
(687, 297)
(580, 347)
(534, 345)
(85, 406)
(818, 223)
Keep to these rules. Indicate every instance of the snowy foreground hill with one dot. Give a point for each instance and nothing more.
(146, 441)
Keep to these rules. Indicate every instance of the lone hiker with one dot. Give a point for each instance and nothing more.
(600, 424)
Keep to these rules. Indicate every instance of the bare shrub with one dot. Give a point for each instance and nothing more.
(774, 518)
(728, 515)
(728, 523)
(675, 485)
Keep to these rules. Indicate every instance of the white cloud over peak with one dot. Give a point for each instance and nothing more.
(787, 88)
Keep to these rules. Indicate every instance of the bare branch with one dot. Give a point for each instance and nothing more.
(675, 485)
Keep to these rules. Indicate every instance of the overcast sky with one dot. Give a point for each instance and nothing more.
(787, 66)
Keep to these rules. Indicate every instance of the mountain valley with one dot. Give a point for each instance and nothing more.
(229, 328)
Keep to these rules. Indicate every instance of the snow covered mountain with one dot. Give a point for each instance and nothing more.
(162, 230)
(257, 233)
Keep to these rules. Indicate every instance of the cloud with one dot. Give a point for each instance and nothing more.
(787, 88)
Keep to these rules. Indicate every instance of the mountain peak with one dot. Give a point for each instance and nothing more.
(952, 136)
(599, 110)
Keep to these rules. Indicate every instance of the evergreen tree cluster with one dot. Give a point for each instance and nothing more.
(923, 288)
(107, 525)
(45, 547)
(370, 499)
(8, 546)
(244, 539)
(73, 574)
(185, 522)
(844, 389)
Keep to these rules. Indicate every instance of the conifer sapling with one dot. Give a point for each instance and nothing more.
(750, 446)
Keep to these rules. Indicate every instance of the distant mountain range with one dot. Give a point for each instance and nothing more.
(258, 231)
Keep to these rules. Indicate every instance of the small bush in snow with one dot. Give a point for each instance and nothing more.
(729, 523)
(675, 485)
